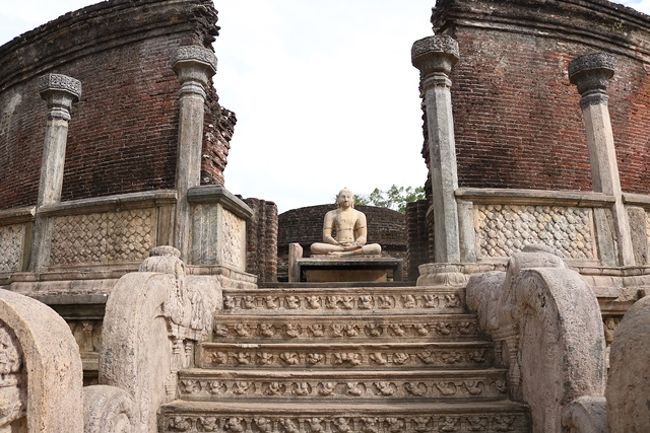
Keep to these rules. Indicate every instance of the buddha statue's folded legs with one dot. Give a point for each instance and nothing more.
(321, 248)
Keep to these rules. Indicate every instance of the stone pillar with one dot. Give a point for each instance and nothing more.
(194, 66)
(591, 73)
(60, 92)
(435, 56)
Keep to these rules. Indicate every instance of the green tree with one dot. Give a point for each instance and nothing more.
(394, 197)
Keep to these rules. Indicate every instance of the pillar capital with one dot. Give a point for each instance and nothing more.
(434, 55)
(591, 73)
(194, 66)
(60, 91)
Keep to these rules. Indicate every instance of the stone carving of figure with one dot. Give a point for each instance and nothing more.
(351, 230)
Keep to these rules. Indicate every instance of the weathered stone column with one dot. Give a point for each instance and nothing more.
(435, 56)
(194, 65)
(60, 92)
(591, 73)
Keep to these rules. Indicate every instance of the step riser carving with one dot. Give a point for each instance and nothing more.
(433, 328)
(357, 302)
(479, 387)
(346, 358)
(344, 423)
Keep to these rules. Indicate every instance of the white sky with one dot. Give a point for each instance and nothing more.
(324, 91)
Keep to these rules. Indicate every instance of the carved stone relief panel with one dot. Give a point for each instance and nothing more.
(11, 247)
(233, 241)
(13, 386)
(502, 230)
(338, 423)
(103, 238)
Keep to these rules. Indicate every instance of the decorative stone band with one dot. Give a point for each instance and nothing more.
(60, 91)
(434, 54)
(590, 73)
(194, 66)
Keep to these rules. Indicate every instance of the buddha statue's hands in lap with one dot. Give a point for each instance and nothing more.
(350, 227)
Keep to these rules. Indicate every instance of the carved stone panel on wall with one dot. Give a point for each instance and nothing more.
(11, 247)
(233, 245)
(103, 238)
(502, 230)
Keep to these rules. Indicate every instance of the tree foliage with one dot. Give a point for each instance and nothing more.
(394, 197)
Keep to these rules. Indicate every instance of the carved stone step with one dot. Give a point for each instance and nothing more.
(361, 300)
(425, 328)
(201, 384)
(326, 417)
(471, 354)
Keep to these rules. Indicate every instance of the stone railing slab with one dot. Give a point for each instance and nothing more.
(535, 197)
(636, 199)
(17, 215)
(137, 200)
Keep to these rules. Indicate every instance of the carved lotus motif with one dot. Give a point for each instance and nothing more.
(365, 302)
(395, 425)
(374, 330)
(216, 387)
(314, 358)
(218, 358)
(265, 425)
(248, 302)
(271, 302)
(265, 358)
(301, 389)
(207, 423)
(229, 302)
(408, 301)
(449, 424)
(293, 330)
(417, 389)
(326, 388)
(243, 358)
(289, 426)
(266, 330)
(342, 425)
(370, 425)
(313, 302)
(446, 388)
(316, 425)
(234, 425)
(275, 388)
(317, 330)
(431, 301)
(400, 358)
(385, 302)
(385, 388)
(293, 302)
(347, 302)
(290, 358)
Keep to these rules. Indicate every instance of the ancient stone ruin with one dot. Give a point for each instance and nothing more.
(138, 294)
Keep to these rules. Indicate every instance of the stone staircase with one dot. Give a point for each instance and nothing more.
(339, 360)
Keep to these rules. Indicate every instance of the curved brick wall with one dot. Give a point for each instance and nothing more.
(517, 118)
(122, 136)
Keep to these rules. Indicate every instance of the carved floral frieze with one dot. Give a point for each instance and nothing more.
(314, 302)
(417, 423)
(485, 386)
(311, 357)
(442, 327)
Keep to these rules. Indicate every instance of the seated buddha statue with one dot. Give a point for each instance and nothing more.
(350, 228)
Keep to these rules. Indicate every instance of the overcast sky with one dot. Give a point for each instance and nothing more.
(324, 91)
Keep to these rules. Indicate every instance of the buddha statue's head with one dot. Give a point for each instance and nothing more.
(345, 199)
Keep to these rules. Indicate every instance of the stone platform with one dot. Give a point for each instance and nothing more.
(336, 269)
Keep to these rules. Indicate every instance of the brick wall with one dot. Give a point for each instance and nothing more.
(517, 117)
(262, 240)
(305, 226)
(420, 238)
(123, 133)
